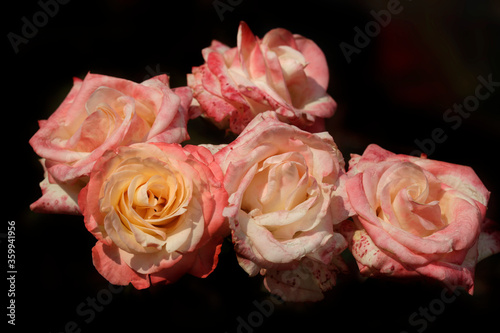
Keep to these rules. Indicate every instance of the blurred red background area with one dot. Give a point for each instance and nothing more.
(406, 77)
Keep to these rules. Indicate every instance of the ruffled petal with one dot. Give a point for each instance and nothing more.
(110, 265)
(57, 197)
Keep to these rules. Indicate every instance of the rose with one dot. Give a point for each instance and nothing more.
(156, 211)
(417, 217)
(101, 113)
(285, 188)
(283, 72)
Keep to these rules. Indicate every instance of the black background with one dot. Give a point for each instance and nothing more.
(395, 91)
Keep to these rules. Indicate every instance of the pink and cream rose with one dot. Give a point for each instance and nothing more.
(418, 217)
(284, 72)
(156, 211)
(285, 200)
(101, 113)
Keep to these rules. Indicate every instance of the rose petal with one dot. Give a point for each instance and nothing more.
(110, 265)
(305, 283)
(317, 67)
(207, 258)
(57, 198)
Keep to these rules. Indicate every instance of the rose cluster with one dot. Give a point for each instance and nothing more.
(281, 191)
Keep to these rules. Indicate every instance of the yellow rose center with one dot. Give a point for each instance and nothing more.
(148, 197)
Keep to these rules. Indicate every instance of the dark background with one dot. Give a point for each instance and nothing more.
(395, 91)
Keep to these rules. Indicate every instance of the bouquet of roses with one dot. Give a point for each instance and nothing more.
(280, 190)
